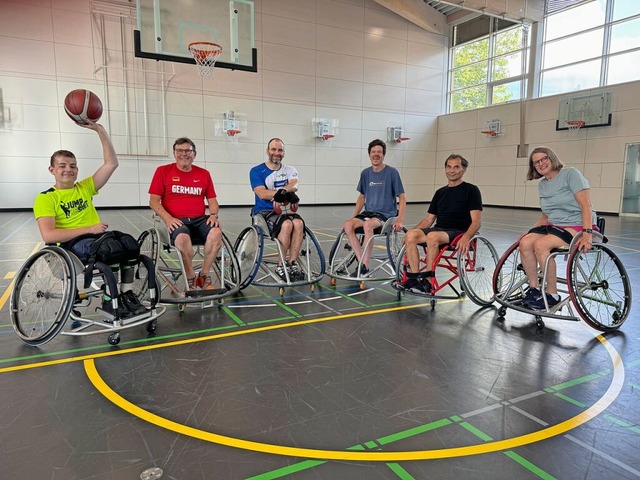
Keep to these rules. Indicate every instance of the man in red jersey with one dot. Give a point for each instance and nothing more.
(177, 194)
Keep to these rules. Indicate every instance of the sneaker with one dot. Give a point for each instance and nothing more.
(192, 283)
(204, 282)
(129, 300)
(539, 303)
(363, 272)
(123, 312)
(407, 284)
(295, 273)
(281, 273)
(533, 294)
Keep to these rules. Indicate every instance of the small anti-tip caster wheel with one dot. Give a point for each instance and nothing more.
(152, 326)
(114, 338)
(333, 282)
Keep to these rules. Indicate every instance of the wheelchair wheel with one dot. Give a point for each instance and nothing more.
(341, 255)
(43, 296)
(149, 244)
(248, 248)
(227, 267)
(476, 270)
(599, 287)
(509, 280)
(394, 245)
(311, 259)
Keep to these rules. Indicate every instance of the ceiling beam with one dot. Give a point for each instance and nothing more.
(418, 12)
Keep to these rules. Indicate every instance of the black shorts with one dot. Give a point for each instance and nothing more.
(275, 221)
(451, 233)
(559, 232)
(195, 227)
(364, 216)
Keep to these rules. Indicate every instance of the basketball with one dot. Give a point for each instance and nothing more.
(82, 105)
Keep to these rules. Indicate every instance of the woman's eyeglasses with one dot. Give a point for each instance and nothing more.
(544, 159)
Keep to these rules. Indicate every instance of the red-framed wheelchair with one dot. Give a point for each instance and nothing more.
(595, 288)
(455, 276)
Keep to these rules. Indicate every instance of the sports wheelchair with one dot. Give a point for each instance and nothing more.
(225, 271)
(461, 275)
(49, 290)
(259, 255)
(596, 287)
(342, 258)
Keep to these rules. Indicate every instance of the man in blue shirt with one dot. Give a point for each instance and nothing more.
(379, 186)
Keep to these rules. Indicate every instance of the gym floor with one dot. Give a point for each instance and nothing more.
(338, 383)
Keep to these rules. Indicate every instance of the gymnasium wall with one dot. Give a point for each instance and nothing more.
(599, 152)
(351, 61)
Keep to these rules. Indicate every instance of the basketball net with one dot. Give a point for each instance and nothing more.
(205, 54)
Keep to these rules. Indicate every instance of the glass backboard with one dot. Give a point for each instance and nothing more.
(165, 28)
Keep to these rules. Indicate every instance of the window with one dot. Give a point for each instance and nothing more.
(592, 44)
(488, 63)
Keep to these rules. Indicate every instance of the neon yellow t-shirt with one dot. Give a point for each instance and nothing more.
(71, 207)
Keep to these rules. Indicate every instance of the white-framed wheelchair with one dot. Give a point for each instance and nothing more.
(595, 288)
(260, 255)
(385, 244)
(455, 275)
(49, 290)
(174, 288)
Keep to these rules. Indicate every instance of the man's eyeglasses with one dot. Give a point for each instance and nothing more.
(186, 151)
(544, 159)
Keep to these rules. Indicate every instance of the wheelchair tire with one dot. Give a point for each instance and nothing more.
(341, 255)
(149, 244)
(248, 247)
(476, 271)
(227, 267)
(43, 296)
(313, 260)
(509, 280)
(599, 287)
(394, 245)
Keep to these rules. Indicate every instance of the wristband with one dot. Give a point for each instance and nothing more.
(215, 215)
(587, 230)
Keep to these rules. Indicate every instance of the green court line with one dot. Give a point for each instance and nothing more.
(477, 432)
(622, 423)
(233, 316)
(286, 308)
(289, 470)
(572, 383)
(351, 299)
(570, 400)
(400, 472)
(412, 432)
(528, 465)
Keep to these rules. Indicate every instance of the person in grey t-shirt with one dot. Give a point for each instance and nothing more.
(566, 210)
(379, 186)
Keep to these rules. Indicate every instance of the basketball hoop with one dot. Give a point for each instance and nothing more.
(327, 137)
(205, 54)
(402, 139)
(575, 125)
(489, 133)
(233, 133)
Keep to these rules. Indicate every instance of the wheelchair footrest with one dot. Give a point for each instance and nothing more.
(205, 293)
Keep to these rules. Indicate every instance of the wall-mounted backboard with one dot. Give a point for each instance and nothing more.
(585, 111)
(166, 27)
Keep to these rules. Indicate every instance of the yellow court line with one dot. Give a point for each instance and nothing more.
(212, 337)
(602, 404)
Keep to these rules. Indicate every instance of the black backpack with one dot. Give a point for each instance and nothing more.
(113, 248)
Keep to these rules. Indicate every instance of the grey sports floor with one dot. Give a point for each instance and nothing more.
(338, 383)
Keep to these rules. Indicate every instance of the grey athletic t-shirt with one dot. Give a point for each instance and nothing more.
(557, 197)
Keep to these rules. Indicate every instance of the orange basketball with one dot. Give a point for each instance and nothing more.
(82, 105)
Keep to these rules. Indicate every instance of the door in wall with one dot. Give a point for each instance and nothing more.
(631, 189)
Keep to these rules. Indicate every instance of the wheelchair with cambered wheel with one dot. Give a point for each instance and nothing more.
(385, 244)
(455, 275)
(596, 287)
(49, 291)
(170, 270)
(259, 257)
